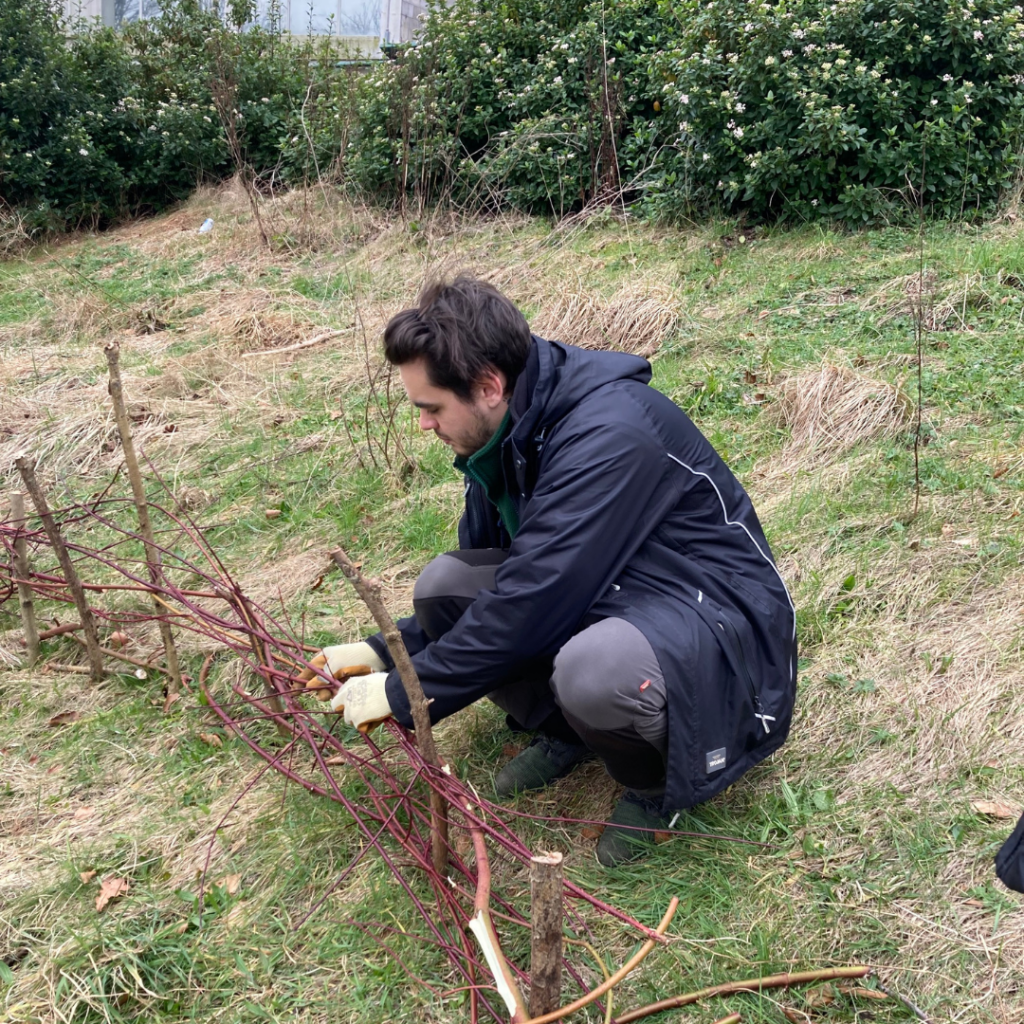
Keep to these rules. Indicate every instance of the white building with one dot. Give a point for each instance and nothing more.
(364, 23)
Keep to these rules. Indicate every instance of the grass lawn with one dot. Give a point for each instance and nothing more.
(794, 351)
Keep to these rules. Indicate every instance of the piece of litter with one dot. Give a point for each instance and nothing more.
(206, 226)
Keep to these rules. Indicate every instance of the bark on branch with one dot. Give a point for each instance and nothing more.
(25, 603)
(113, 353)
(92, 641)
(750, 985)
(369, 591)
(545, 933)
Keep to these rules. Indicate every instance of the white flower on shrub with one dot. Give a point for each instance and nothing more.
(978, 35)
(740, 107)
(738, 132)
(684, 98)
(705, 157)
(787, 53)
(814, 202)
(84, 152)
(769, 61)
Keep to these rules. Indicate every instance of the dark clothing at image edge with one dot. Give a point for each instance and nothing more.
(624, 510)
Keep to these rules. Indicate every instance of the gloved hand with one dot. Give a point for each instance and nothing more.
(340, 662)
(364, 701)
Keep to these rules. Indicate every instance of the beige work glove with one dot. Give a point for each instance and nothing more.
(341, 663)
(364, 700)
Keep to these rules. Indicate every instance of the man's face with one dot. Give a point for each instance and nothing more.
(465, 426)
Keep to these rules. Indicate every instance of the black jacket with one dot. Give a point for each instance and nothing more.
(625, 510)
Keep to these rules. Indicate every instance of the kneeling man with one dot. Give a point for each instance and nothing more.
(613, 591)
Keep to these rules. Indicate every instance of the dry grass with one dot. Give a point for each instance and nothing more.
(940, 305)
(831, 409)
(936, 629)
(634, 320)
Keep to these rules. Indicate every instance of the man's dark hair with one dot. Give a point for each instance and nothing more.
(461, 329)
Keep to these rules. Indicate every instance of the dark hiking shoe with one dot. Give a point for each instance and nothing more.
(619, 845)
(543, 761)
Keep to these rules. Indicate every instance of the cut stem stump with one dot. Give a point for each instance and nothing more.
(370, 593)
(545, 933)
(92, 641)
(25, 602)
(113, 353)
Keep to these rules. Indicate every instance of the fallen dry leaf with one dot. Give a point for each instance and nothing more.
(64, 718)
(232, 883)
(272, 513)
(86, 876)
(994, 809)
(212, 738)
(591, 831)
(974, 903)
(83, 812)
(110, 889)
(172, 699)
(863, 993)
(819, 996)
(795, 1016)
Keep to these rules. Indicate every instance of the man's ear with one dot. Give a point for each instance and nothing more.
(490, 387)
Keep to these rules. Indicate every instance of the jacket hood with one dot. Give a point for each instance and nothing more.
(558, 376)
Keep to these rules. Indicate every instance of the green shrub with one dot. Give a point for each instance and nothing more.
(841, 109)
(506, 103)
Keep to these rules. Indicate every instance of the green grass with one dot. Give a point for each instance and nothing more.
(910, 705)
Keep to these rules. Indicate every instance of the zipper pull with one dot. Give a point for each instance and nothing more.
(759, 713)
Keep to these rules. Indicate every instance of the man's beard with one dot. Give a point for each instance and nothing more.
(474, 439)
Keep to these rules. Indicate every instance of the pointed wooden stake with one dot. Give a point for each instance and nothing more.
(113, 353)
(21, 567)
(369, 591)
(92, 641)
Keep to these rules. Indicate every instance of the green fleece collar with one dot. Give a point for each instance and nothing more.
(486, 469)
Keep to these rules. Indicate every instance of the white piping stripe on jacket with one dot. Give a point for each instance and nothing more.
(753, 540)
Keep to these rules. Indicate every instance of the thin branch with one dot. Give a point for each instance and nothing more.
(113, 353)
(309, 343)
(750, 985)
(370, 593)
(606, 986)
(27, 470)
(21, 567)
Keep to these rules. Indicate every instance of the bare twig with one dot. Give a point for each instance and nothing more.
(750, 985)
(153, 560)
(25, 602)
(610, 983)
(27, 470)
(914, 1009)
(308, 343)
(545, 933)
(370, 593)
(482, 927)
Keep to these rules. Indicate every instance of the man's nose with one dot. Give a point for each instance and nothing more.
(427, 422)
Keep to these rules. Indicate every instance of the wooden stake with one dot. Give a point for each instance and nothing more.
(92, 641)
(545, 933)
(113, 353)
(21, 566)
(370, 593)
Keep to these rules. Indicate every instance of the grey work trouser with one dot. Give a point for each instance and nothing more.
(605, 682)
